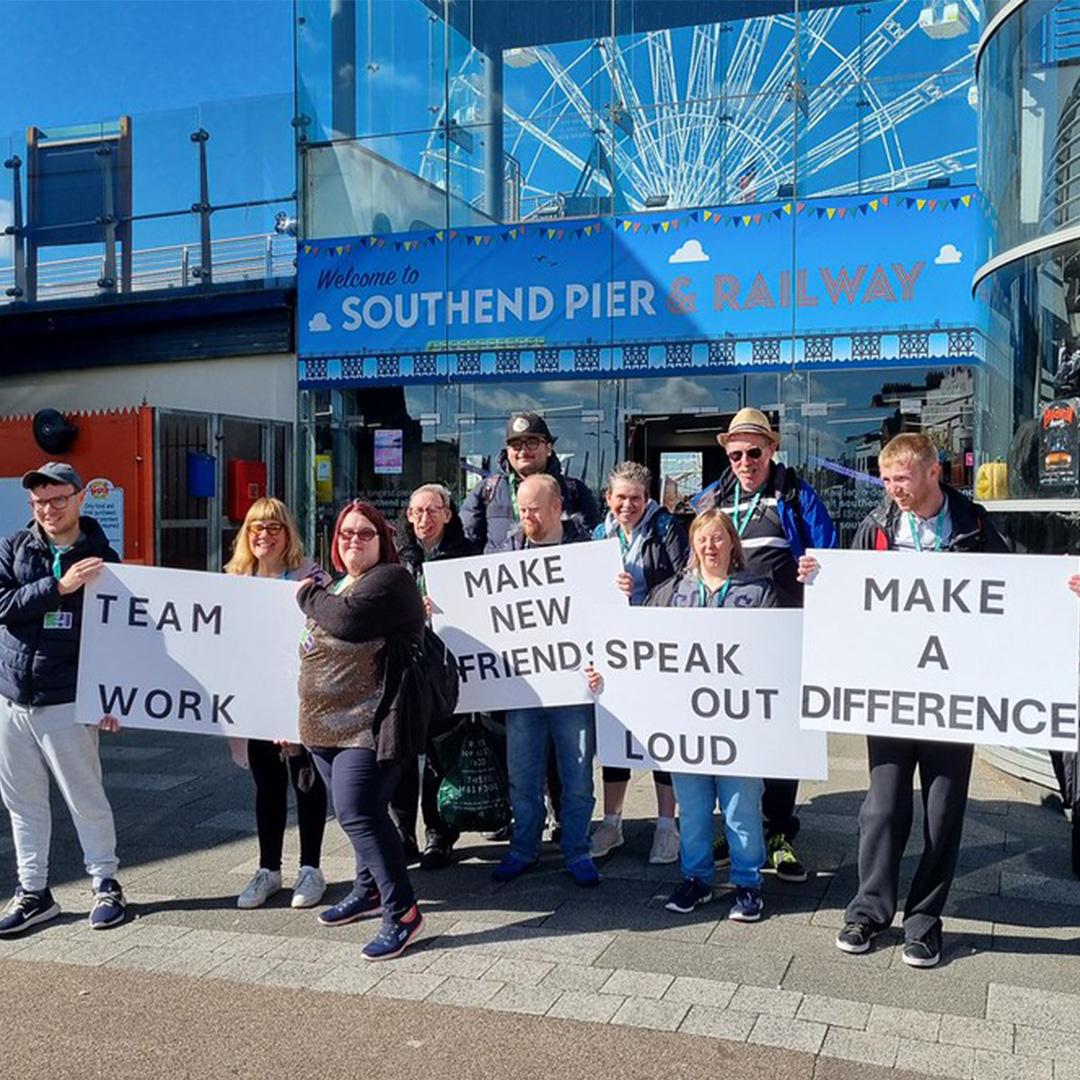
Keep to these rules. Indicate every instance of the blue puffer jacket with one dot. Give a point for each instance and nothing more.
(39, 666)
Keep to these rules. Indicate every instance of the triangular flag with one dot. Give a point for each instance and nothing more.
(787, 209)
(842, 211)
(707, 214)
(694, 217)
(340, 249)
(800, 208)
(933, 204)
(665, 225)
(757, 219)
(626, 225)
(831, 211)
(874, 205)
(747, 219)
(965, 199)
(439, 235)
(920, 203)
(307, 249)
(637, 226)
(675, 223)
(884, 200)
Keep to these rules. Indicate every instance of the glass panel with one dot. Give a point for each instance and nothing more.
(184, 549)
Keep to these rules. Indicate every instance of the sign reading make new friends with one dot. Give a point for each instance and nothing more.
(518, 622)
(885, 262)
(177, 650)
(950, 647)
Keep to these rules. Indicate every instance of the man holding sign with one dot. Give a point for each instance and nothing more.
(43, 570)
(918, 514)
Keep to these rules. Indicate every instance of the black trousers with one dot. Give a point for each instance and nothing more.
(885, 823)
(778, 808)
(272, 775)
(423, 787)
(361, 789)
(1067, 771)
(613, 774)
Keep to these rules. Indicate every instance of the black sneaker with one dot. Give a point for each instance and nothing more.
(28, 909)
(498, 836)
(923, 952)
(436, 854)
(110, 908)
(781, 857)
(857, 936)
(688, 895)
(721, 851)
(354, 906)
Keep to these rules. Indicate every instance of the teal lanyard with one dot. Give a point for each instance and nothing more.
(703, 593)
(58, 554)
(914, 526)
(741, 523)
(624, 542)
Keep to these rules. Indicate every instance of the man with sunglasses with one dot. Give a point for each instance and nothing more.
(777, 516)
(43, 569)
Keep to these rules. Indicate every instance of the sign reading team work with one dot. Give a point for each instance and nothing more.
(697, 691)
(956, 648)
(517, 622)
(175, 650)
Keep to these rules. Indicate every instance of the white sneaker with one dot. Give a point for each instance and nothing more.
(665, 847)
(605, 838)
(260, 888)
(309, 888)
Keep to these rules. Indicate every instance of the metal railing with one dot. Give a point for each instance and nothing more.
(261, 257)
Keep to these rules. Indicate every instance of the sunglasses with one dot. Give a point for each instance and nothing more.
(365, 536)
(272, 528)
(754, 453)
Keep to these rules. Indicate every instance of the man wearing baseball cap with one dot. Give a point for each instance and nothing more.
(777, 516)
(43, 569)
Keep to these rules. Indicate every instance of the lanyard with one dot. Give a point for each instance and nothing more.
(624, 542)
(741, 523)
(914, 526)
(703, 593)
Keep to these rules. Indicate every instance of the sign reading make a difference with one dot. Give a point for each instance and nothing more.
(956, 648)
(695, 691)
(176, 650)
(517, 621)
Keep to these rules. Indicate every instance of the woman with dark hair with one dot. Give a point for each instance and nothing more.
(350, 718)
(268, 545)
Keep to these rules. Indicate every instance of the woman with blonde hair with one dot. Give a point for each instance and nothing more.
(268, 545)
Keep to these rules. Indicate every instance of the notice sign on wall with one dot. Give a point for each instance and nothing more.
(176, 650)
(697, 691)
(104, 502)
(517, 622)
(950, 647)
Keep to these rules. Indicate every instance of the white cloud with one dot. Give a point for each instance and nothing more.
(319, 323)
(948, 255)
(691, 251)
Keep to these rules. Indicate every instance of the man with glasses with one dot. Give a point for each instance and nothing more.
(777, 516)
(43, 569)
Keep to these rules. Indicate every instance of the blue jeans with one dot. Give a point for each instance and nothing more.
(740, 800)
(572, 731)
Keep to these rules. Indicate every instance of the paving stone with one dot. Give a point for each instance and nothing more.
(205, 940)
(149, 935)
(994, 1066)
(1052, 1009)
(575, 977)
(1045, 1042)
(708, 992)
(837, 1012)
(145, 781)
(244, 968)
(467, 992)
(647, 1013)
(862, 1046)
(641, 953)
(190, 963)
(535, 1000)
(958, 1061)
(351, 980)
(978, 1034)
(718, 1023)
(907, 1023)
(298, 973)
(461, 964)
(759, 999)
(1067, 1070)
(91, 953)
(788, 1034)
(641, 984)
(248, 944)
(582, 1005)
(329, 953)
(409, 985)
(519, 972)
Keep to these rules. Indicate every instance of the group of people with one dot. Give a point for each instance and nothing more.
(361, 752)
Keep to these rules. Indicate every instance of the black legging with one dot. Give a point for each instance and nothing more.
(271, 776)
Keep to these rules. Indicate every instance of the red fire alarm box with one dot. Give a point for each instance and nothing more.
(247, 482)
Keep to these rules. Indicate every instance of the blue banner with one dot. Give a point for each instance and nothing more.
(890, 264)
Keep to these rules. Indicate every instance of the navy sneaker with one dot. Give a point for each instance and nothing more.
(584, 872)
(688, 895)
(512, 866)
(924, 952)
(110, 908)
(748, 906)
(355, 906)
(28, 909)
(394, 937)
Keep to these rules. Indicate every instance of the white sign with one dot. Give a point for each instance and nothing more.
(703, 691)
(176, 650)
(516, 621)
(14, 510)
(949, 647)
(104, 502)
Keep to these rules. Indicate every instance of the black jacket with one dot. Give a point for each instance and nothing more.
(453, 545)
(665, 548)
(39, 666)
(971, 526)
(573, 533)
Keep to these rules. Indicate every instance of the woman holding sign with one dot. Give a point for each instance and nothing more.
(268, 545)
(716, 578)
(350, 718)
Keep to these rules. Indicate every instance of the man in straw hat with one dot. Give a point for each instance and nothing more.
(777, 516)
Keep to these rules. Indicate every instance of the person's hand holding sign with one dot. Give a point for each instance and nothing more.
(78, 574)
(594, 678)
(109, 724)
(1074, 584)
(808, 568)
(625, 583)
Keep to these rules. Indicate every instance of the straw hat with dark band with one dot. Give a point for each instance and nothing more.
(749, 422)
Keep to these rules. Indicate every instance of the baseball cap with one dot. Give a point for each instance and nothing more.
(53, 472)
(522, 424)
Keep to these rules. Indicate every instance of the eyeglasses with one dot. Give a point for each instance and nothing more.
(365, 536)
(533, 442)
(271, 528)
(57, 502)
(754, 453)
(426, 511)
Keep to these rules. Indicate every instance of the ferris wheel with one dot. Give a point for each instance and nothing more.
(840, 100)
